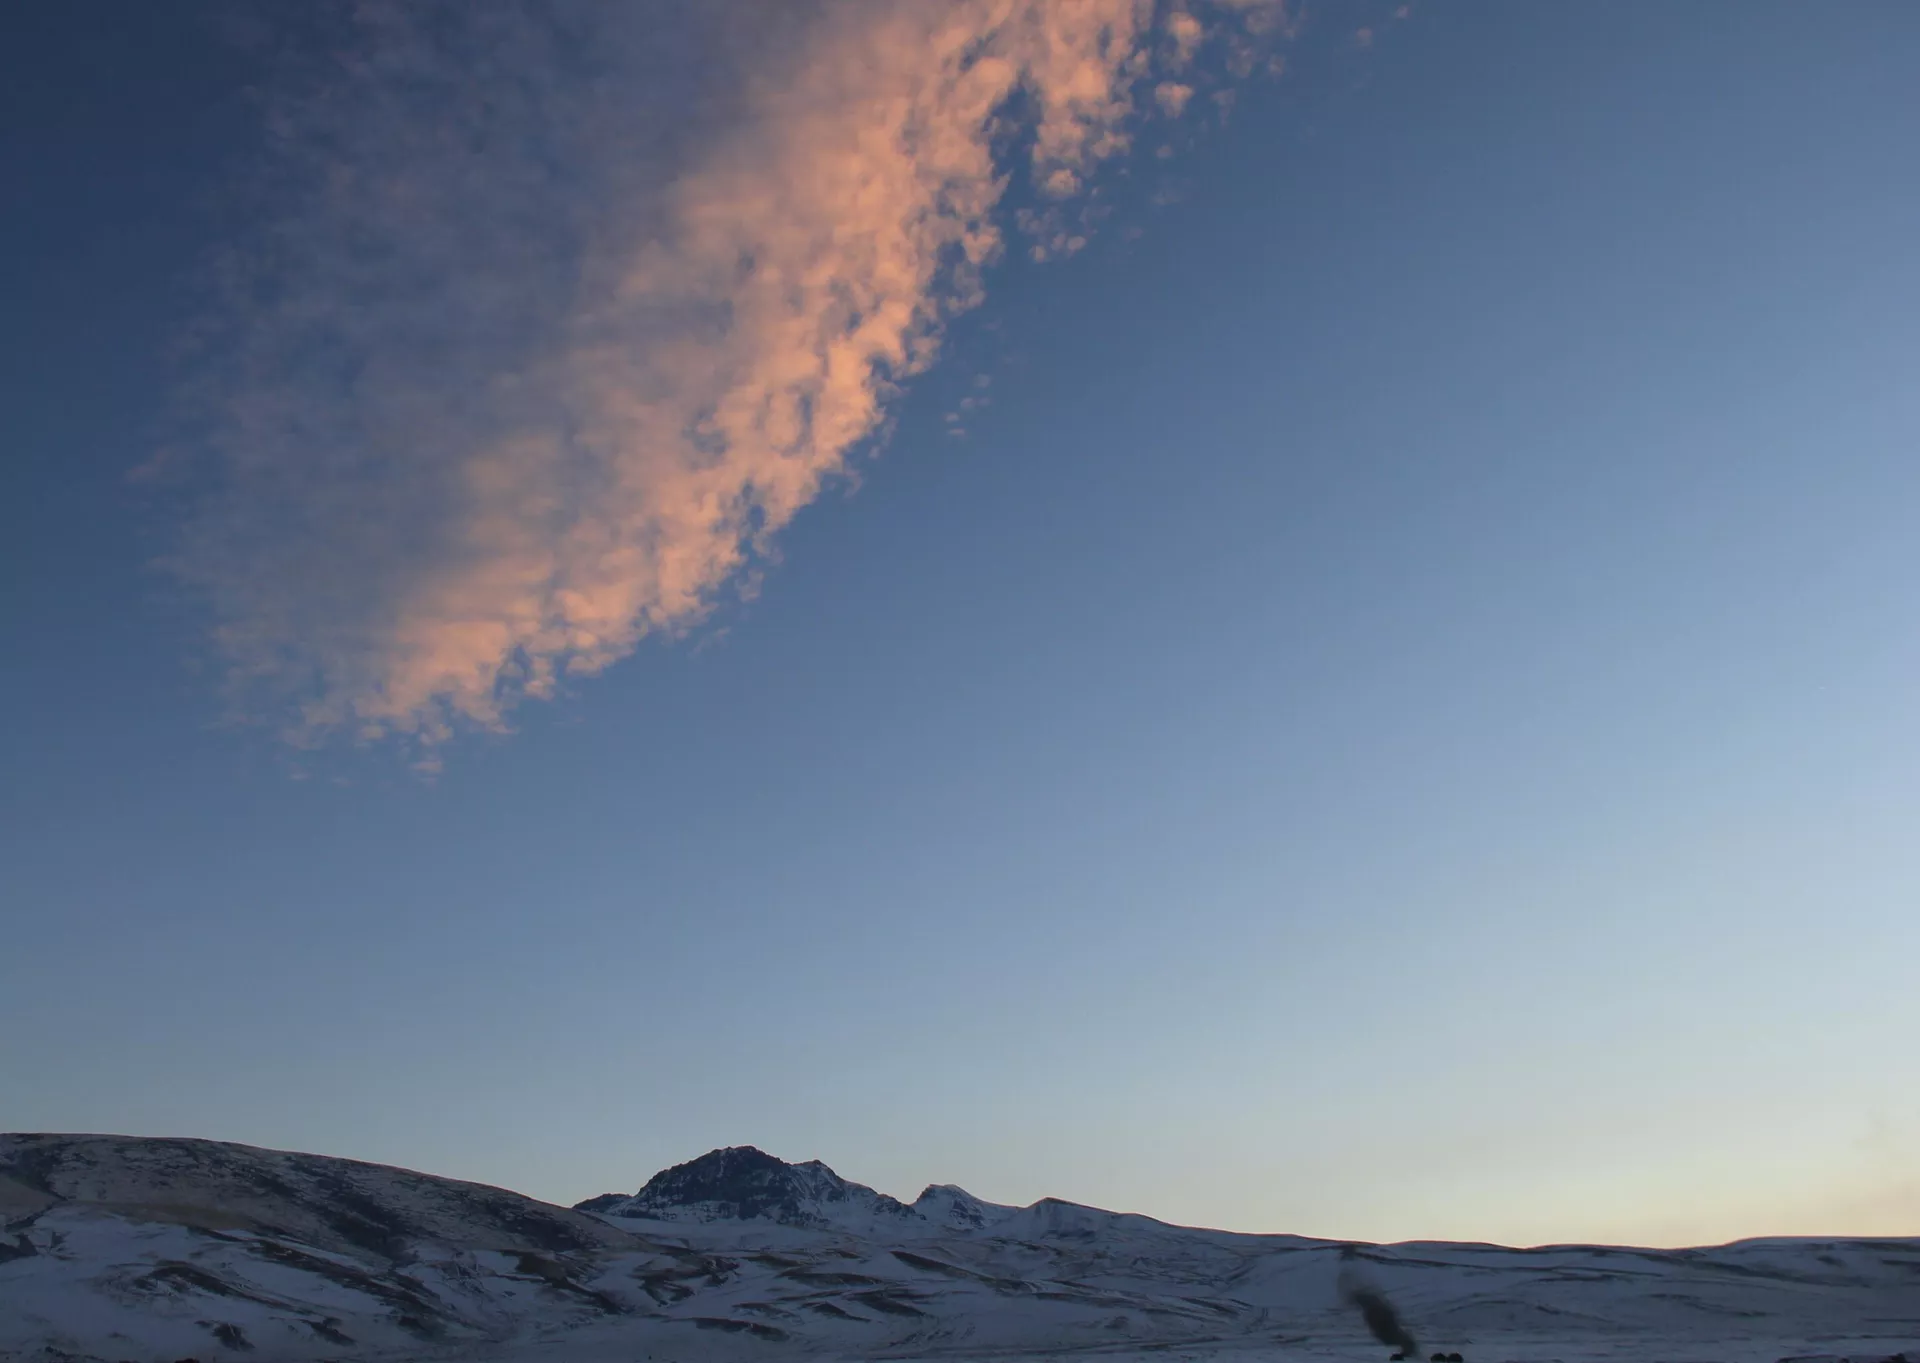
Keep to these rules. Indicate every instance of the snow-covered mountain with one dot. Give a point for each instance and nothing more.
(142, 1248)
(741, 1183)
(344, 1206)
(148, 1251)
(952, 1208)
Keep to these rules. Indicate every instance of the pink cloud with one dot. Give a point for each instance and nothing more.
(531, 385)
(1186, 33)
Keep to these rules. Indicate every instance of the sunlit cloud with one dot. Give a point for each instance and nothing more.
(531, 363)
(1172, 97)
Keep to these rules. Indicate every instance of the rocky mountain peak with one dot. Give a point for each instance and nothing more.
(954, 1208)
(743, 1183)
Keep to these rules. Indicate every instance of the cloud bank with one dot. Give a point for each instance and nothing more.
(545, 340)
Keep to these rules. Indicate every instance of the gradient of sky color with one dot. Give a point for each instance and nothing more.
(1399, 717)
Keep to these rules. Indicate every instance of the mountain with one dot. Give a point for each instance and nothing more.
(944, 1205)
(350, 1208)
(131, 1250)
(741, 1183)
(160, 1248)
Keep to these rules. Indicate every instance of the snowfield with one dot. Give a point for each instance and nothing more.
(149, 1250)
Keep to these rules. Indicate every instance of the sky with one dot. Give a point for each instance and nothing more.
(1294, 619)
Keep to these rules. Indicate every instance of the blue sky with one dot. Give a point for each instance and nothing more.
(1396, 718)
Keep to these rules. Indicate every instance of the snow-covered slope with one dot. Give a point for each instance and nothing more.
(952, 1208)
(149, 1248)
(115, 1249)
(342, 1205)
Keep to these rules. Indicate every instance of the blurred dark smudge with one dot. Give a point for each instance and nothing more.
(1382, 1320)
